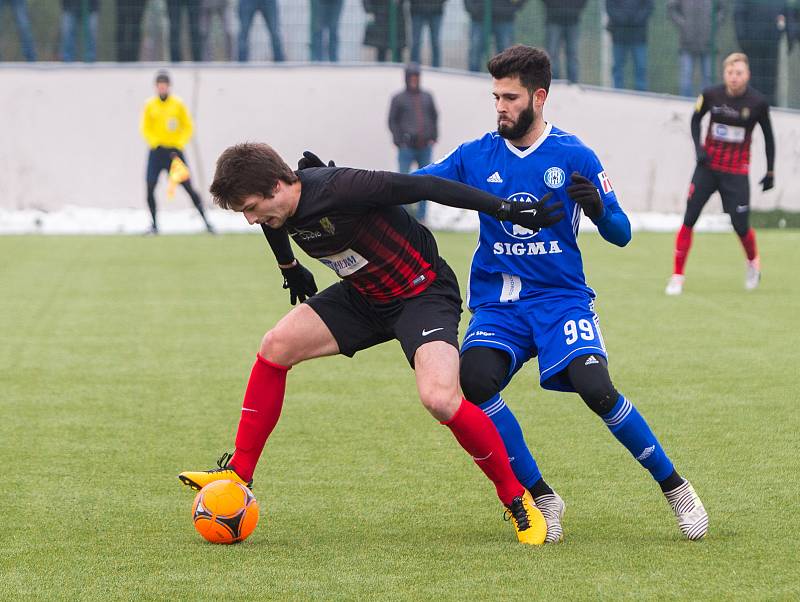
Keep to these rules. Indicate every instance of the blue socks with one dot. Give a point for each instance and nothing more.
(522, 463)
(624, 421)
(629, 427)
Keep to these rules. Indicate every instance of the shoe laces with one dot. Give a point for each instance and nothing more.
(519, 513)
(222, 463)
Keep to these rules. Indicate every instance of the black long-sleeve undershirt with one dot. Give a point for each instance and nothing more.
(278, 240)
(403, 190)
(769, 140)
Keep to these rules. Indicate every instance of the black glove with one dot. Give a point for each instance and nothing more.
(767, 182)
(702, 156)
(585, 193)
(533, 216)
(300, 283)
(309, 159)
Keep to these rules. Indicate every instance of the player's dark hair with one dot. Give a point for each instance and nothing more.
(247, 169)
(531, 65)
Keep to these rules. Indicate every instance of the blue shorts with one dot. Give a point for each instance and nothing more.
(555, 328)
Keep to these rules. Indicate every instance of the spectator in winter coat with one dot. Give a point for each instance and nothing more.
(758, 28)
(426, 12)
(413, 121)
(503, 14)
(697, 22)
(325, 16)
(378, 33)
(627, 22)
(71, 23)
(20, 10)
(562, 24)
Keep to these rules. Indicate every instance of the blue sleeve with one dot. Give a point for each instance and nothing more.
(448, 167)
(614, 225)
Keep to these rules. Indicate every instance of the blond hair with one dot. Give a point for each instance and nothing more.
(736, 57)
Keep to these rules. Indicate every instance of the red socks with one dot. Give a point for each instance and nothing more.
(261, 409)
(749, 244)
(683, 243)
(262, 405)
(477, 434)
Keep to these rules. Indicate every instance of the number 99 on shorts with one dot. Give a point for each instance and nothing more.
(578, 329)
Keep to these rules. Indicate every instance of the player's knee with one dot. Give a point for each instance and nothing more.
(740, 227)
(482, 372)
(442, 402)
(277, 348)
(593, 383)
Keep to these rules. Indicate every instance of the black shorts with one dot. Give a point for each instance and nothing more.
(159, 159)
(357, 323)
(734, 190)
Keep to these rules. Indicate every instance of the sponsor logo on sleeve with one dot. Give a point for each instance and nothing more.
(605, 182)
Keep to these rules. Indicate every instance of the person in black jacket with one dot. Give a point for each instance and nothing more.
(426, 12)
(129, 29)
(758, 29)
(378, 33)
(175, 10)
(503, 14)
(627, 22)
(562, 21)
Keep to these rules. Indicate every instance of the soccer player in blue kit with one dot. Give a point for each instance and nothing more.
(527, 289)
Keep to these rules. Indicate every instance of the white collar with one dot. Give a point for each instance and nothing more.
(539, 141)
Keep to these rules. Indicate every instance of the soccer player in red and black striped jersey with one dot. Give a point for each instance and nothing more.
(394, 286)
(723, 163)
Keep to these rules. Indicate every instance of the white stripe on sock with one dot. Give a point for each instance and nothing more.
(621, 415)
(495, 407)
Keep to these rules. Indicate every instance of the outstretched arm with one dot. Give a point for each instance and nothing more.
(412, 188)
(382, 188)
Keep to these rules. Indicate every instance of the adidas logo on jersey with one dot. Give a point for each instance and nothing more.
(591, 360)
(495, 178)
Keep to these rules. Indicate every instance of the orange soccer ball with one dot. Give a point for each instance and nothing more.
(225, 512)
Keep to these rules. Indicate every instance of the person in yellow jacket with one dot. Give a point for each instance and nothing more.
(166, 127)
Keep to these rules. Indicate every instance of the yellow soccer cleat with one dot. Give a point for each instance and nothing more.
(528, 521)
(200, 478)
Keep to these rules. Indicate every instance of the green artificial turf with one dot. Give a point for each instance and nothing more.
(123, 361)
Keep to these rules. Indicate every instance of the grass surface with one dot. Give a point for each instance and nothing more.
(123, 361)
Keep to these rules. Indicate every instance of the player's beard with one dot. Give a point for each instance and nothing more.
(520, 127)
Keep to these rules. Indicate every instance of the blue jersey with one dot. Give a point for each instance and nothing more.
(511, 262)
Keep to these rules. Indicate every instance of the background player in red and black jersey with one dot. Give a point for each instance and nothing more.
(723, 162)
(394, 286)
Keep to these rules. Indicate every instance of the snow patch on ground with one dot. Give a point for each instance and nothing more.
(82, 220)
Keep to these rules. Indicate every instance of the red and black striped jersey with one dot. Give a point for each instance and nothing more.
(350, 220)
(730, 129)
